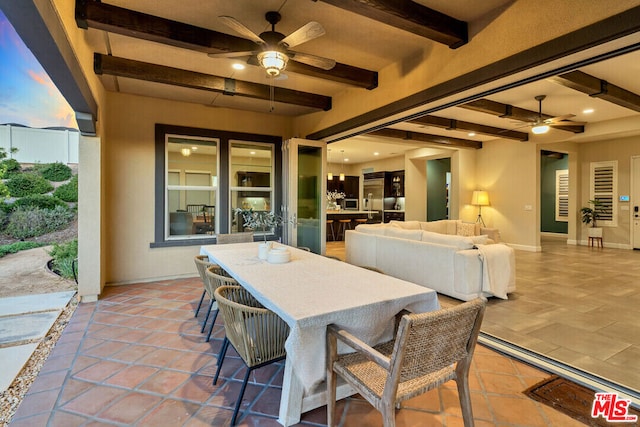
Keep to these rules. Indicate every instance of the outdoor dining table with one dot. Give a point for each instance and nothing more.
(310, 292)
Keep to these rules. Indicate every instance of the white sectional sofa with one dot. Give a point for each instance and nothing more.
(449, 256)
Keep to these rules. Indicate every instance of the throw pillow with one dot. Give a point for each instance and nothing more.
(480, 240)
(467, 229)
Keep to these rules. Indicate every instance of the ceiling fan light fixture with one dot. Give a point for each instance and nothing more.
(273, 61)
(540, 129)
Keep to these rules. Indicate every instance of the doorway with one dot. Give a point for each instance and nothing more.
(438, 183)
(554, 193)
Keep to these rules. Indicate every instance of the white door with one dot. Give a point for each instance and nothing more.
(305, 186)
(635, 201)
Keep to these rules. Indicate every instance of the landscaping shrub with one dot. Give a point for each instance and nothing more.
(69, 191)
(4, 217)
(63, 256)
(56, 172)
(42, 201)
(4, 190)
(25, 184)
(9, 167)
(18, 246)
(28, 221)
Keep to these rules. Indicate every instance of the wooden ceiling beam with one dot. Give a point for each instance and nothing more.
(410, 16)
(599, 88)
(425, 137)
(121, 67)
(444, 123)
(510, 112)
(117, 20)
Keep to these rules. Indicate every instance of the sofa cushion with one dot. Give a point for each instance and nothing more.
(459, 242)
(371, 229)
(483, 239)
(403, 234)
(434, 226)
(467, 229)
(407, 225)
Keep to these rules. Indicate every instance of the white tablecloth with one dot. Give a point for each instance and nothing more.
(312, 291)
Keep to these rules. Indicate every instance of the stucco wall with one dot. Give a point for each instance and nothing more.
(129, 179)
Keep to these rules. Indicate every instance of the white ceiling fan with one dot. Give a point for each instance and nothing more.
(273, 48)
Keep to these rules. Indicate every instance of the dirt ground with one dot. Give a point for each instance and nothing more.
(26, 273)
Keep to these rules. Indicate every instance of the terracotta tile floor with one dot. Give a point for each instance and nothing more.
(137, 358)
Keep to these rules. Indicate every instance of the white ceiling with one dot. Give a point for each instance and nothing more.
(354, 40)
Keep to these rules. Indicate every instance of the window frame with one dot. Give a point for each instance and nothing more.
(224, 138)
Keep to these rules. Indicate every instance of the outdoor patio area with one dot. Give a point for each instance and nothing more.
(137, 357)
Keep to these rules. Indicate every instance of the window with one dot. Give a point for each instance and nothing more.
(192, 165)
(202, 175)
(604, 188)
(250, 177)
(562, 195)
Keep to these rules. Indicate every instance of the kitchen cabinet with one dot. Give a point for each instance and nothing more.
(350, 186)
(393, 216)
(394, 184)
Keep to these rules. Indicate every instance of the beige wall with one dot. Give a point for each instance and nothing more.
(129, 179)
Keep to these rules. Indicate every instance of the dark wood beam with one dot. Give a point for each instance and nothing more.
(510, 112)
(121, 67)
(599, 88)
(410, 16)
(425, 137)
(117, 20)
(444, 123)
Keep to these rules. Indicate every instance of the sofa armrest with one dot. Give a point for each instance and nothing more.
(493, 233)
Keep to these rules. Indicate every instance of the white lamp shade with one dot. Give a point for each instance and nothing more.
(329, 175)
(273, 62)
(480, 198)
(341, 177)
(540, 129)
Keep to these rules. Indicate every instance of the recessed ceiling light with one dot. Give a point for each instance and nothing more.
(238, 66)
(471, 134)
(588, 111)
(376, 153)
(252, 152)
(194, 148)
(346, 159)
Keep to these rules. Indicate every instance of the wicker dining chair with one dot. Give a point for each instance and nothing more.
(256, 333)
(244, 237)
(202, 263)
(429, 349)
(214, 278)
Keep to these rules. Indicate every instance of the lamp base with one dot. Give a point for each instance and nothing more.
(480, 220)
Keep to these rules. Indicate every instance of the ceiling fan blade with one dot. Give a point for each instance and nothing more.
(230, 54)
(567, 123)
(313, 60)
(307, 32)
(240, 28)
(558, 119)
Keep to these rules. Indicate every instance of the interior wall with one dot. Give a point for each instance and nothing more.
(613, 149)
(129, 177)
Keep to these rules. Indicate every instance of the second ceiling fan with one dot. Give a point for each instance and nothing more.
(273, 48)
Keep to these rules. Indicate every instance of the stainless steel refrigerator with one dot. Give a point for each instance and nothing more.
(373, 192)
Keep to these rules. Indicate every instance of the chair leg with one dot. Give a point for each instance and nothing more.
(331, 398)
(465, 400)
(212, 323)
(239, 401)
(388, 414)
(206, 319)
(200, 303)
(223, 351)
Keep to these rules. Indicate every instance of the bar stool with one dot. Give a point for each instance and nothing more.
(361, 221)
(330, 228)
(343, 225)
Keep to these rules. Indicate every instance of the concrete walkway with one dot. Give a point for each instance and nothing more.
(25, 320)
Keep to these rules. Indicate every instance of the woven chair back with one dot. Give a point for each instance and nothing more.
(257, 334)
(437, 339)
(202, 263)
(215, 277)
(223, 239)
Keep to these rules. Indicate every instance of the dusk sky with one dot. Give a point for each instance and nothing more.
(27, 94)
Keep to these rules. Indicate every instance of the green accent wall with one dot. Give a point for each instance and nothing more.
(437, 188)
(548, 167)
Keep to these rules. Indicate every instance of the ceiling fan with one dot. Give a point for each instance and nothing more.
(542, 125)
(273, 48)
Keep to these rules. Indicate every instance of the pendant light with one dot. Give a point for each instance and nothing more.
(342, 167)
(329, 174)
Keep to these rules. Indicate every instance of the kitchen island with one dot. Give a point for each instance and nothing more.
(346, 220)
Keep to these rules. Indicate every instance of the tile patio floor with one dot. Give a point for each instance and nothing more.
(137, 358)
